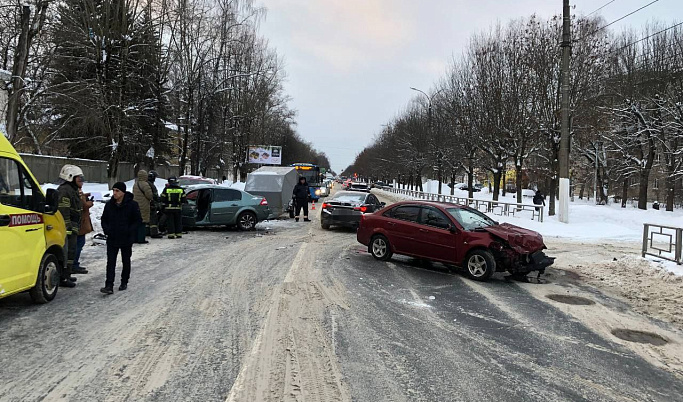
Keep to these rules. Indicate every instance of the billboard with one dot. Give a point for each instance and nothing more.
(264, 154)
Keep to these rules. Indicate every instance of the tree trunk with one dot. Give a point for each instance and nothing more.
(642, 188)
(624, 193)
(518, 180)
(503, 182)
(18, 73)
(418, 181)
(552, 193)
(470, 184)
(453, 182)
(496, 184)
(670, 192)
(583, 188)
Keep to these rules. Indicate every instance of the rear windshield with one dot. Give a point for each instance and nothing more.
(190, 182)
(471, 219)
(348, 198)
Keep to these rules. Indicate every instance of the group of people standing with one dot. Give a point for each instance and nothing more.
(128, 218)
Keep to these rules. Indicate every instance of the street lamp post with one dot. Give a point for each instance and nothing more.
(430, 125)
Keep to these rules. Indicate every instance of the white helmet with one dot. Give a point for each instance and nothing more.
(69, 172)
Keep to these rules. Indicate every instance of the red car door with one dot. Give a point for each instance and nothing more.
(433, 239)
(401, 227)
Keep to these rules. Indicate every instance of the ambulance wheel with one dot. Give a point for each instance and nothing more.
(47, 282)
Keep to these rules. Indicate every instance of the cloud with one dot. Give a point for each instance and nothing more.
(345, 33)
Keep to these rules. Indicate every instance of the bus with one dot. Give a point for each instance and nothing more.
(314, 178)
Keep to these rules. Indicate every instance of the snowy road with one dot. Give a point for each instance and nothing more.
(296, 313)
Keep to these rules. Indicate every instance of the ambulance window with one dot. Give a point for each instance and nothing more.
(33, 197)
(10, 187)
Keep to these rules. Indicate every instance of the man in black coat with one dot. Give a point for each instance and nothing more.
(120, 221)
(300, 194)
(539, 199)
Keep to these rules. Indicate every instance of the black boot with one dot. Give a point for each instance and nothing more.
(123, 286)
(306, 220)
(108, 290)
(73, 279)
(79, 270)
(65, 283)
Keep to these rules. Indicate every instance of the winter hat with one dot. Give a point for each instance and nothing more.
(119, 185)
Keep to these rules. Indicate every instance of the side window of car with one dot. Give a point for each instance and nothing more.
(406, 213)
(228, 195)
(434, 217)
(10, 184)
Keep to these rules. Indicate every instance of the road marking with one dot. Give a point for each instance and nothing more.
(237, 386)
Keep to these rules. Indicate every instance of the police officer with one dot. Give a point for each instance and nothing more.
(173, 198)
(71, 208)
(154, 207)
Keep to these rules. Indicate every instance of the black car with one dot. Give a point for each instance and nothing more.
(346, 207)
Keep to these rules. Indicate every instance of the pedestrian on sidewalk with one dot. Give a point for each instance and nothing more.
(300, 194)
(539, 199)
(173, 198)
(143, 195)
(85, 228)
(71, 208)
(120, 221)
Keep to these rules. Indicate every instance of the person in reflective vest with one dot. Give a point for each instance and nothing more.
(173, 198)
(71, 208)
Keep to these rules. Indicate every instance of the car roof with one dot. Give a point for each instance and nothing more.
(205, 186)
(339, 193)
(430, 203)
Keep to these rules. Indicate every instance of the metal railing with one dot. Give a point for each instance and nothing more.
(664, 242)
(495, 207)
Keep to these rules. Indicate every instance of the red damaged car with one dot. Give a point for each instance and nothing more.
(453, 234)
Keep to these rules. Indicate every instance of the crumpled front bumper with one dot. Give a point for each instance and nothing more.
(539, 261)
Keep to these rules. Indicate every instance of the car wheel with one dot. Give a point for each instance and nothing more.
(47, 282)
(324, 225)
(246, 221)
(380, 248)
(480, 265)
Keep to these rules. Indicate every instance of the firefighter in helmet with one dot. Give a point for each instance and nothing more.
(71, 208)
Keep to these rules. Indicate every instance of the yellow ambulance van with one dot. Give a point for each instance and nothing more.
(32, 231)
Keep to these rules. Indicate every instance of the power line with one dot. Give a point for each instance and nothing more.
(617, 20)
(605, 5)
(646, 38)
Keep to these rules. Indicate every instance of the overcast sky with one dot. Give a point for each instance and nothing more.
(350, 63)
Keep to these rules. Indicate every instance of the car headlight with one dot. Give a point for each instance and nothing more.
(317, 192)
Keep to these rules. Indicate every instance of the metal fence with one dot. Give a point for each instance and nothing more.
(664, 242)
(495, 207)
(46, 168)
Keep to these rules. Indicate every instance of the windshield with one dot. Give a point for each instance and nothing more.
(312, 177)
(471, 219)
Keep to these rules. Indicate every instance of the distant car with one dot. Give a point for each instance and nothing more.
(453, 234)
(345, 208)
(213, 205)
(381, 184)
(359, 187)
(187, 180)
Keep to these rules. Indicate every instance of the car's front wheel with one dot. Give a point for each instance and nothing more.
(246, 221)
(380, 248)
(480, 265)
(47, 282)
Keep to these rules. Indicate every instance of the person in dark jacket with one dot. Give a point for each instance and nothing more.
(539, 199)
(173, 198)
(120, 221)
(300, 194)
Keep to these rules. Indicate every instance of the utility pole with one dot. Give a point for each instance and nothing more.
(564, 134)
